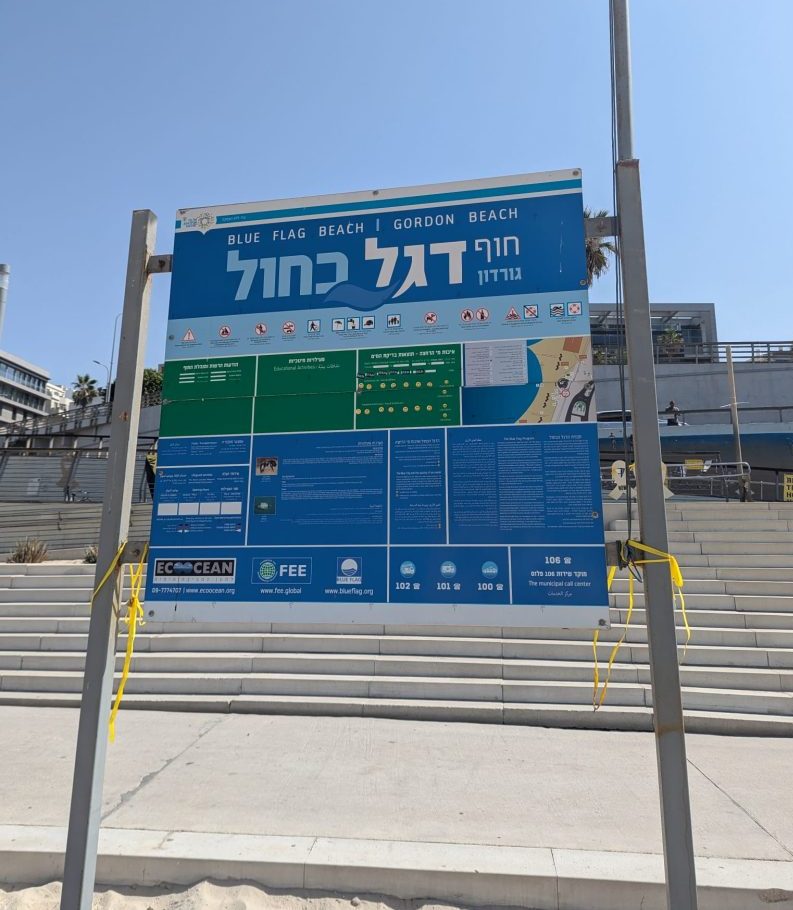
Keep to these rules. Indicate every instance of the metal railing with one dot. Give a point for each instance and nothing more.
(775, 413)
(703, 352)
(771, 486)
(75, 419)
(64, 475)
(726, 480)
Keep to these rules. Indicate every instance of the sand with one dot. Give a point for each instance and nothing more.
(203, 896)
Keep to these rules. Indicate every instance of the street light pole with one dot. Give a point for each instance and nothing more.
(107, 387)
(113, 351)
(681, 887)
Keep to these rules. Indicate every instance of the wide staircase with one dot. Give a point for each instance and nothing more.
(737, 672)
(67, 529)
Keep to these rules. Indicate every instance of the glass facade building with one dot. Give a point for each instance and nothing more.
(23, 389)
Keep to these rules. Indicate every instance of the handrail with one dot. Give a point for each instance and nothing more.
(674, 351)
(778, 409)
(683, 414)
(700, 477)
(91, 414)
(63, 475)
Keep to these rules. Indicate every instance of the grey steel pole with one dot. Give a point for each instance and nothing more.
(623, 92)
(5, 271)
(681, 888)
(113, 353)
(736, 432)
(736, 429)
(89, 769)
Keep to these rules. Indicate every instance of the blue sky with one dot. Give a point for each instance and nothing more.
(108, 107)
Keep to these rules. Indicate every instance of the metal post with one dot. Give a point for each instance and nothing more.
(107, 385)
(89, 769)
(736, 432)
(746, 488)
(681, 889)
(113, 354)
(5, 271)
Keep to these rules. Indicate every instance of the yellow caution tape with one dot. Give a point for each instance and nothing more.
(133, 619)
(609, 579)
(114, 564)
(676, 575)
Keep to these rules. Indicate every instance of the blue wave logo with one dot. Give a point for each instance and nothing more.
(357, 298)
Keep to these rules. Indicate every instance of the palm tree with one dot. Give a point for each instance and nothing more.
(84, 390)
(597, 251)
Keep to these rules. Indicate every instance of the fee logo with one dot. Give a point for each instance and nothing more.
(293, 570)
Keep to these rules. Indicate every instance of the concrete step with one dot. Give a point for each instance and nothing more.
(694, 572)
(728, 535)
(716, 524)
(738, 535)
(737, 671)
(82, 582)
(25, 602)
(717, 601)
(710, 586)
(724, 619)
(608, 717)
(710, 636)
(748, 560)
(209, 636)
(772, 553)
(54, 664)
(76, 588)
(744, 548)
(751, 701)
(358, 686)
(718, 505)
(47, 568)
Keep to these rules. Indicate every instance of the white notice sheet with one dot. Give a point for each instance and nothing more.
(496, 363)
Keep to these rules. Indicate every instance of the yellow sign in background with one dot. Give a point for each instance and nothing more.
(787, 487)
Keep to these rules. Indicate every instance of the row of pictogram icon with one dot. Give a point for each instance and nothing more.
(394, 320)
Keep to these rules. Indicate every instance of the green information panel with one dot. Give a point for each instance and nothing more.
(214, 377)
(299, 413)
(206, 416)
(306, 374)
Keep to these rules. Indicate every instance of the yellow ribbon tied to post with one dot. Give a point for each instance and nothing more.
(599, 695)
(133, 619)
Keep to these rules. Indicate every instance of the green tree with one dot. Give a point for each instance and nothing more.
(597, 250)
(84, 390)
(152, 386)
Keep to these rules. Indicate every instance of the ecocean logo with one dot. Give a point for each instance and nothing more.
(195, 571)
(275, 569)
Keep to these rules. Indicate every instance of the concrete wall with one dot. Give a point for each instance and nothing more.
(705, 385)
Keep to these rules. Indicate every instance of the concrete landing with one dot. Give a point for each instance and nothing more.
(462, 812)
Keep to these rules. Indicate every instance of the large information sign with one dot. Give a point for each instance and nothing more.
(379, 407)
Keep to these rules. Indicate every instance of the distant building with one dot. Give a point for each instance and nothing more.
(23, 389)
(681, 331)
(60, 398)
